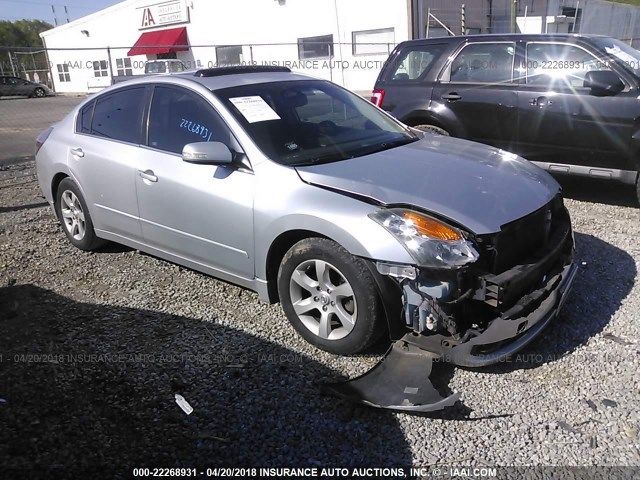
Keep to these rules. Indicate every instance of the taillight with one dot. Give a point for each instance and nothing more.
(376, 97)
(43, 138)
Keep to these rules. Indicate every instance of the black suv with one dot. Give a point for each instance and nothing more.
(567, 102)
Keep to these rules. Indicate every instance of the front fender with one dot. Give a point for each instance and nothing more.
(438, 115)
(295, 205)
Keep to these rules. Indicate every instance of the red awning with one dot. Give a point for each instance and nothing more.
(161, 41)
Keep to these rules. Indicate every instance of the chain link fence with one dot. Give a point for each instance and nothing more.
(73, 73)
(87, 70)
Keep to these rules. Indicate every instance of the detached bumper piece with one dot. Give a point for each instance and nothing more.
(401, 381)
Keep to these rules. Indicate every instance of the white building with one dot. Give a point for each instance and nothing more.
(346, 41)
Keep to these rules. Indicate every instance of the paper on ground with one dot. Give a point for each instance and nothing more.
(183, 404)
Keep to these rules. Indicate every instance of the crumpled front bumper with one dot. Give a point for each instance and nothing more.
(403, 378)
(505, 335)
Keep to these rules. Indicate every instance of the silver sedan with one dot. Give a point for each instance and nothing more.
(308, 194)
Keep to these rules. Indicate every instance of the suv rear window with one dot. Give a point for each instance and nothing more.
(413, 63)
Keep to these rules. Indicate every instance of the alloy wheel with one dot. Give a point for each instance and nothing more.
(323, 299)
(73, 215)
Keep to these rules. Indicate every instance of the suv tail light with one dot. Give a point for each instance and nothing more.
(376, 97)
(43, 138)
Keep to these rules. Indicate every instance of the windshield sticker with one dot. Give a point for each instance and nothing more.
(254, 109)
(196, 128)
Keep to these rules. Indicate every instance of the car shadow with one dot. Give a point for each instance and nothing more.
(28, 206)
(90, 388)
(595, 190)
(605, 276)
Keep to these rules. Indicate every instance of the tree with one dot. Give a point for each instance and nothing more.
(21, 33)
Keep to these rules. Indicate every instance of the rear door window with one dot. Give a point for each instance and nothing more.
(483, 63)
(414, 62)
(117, 116)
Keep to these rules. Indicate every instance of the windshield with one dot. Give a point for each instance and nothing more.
(155, 67)
(626, 54)
(311, 121)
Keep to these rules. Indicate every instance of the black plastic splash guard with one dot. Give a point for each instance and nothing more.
(401, 381)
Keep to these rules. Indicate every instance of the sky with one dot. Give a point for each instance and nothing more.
(41, 9)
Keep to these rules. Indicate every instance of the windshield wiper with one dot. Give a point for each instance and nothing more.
(323, 159)
(368, 150)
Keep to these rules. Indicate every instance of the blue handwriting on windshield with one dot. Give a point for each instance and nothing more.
(196, 128)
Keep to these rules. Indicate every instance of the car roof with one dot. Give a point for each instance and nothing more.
(216, 81)
(507, 36)
(242, 77)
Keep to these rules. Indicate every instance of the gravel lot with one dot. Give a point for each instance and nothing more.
(94, 346)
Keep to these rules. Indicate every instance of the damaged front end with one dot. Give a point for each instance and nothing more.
(504, 290)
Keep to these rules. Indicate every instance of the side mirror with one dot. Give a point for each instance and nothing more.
(603, 83)
(207, 153)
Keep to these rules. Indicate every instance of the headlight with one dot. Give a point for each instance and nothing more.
(430, 242)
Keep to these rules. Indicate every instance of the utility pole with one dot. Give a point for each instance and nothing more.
(513, 16)
(463, 26)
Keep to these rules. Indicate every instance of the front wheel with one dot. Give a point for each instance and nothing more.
(432, 129)
(329, 296)
(39, 92)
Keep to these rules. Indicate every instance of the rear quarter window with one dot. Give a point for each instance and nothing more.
(83, 124)
(413, 63)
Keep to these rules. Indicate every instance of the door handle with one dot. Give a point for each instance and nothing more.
(540, 102)
(77, 152)
(147, 175)
(451, 97)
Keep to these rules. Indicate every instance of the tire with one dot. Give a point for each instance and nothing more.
(39, 92)
(346, 298)
(432, 129)
(73, 214)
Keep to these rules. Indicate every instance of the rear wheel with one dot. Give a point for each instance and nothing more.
(74, 215)
(432, 129)
(329, 296)
(39, 92)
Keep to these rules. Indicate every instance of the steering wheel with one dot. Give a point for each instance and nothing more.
(327, 128)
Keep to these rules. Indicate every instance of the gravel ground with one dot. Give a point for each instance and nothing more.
(93, 348)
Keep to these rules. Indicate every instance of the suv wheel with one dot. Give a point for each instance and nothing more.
(74, 215)
(329, 296)
(432, 129)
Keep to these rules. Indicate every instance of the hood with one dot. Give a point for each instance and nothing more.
(474, 185)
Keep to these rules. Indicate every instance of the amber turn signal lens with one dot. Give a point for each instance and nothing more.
(431, 228)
